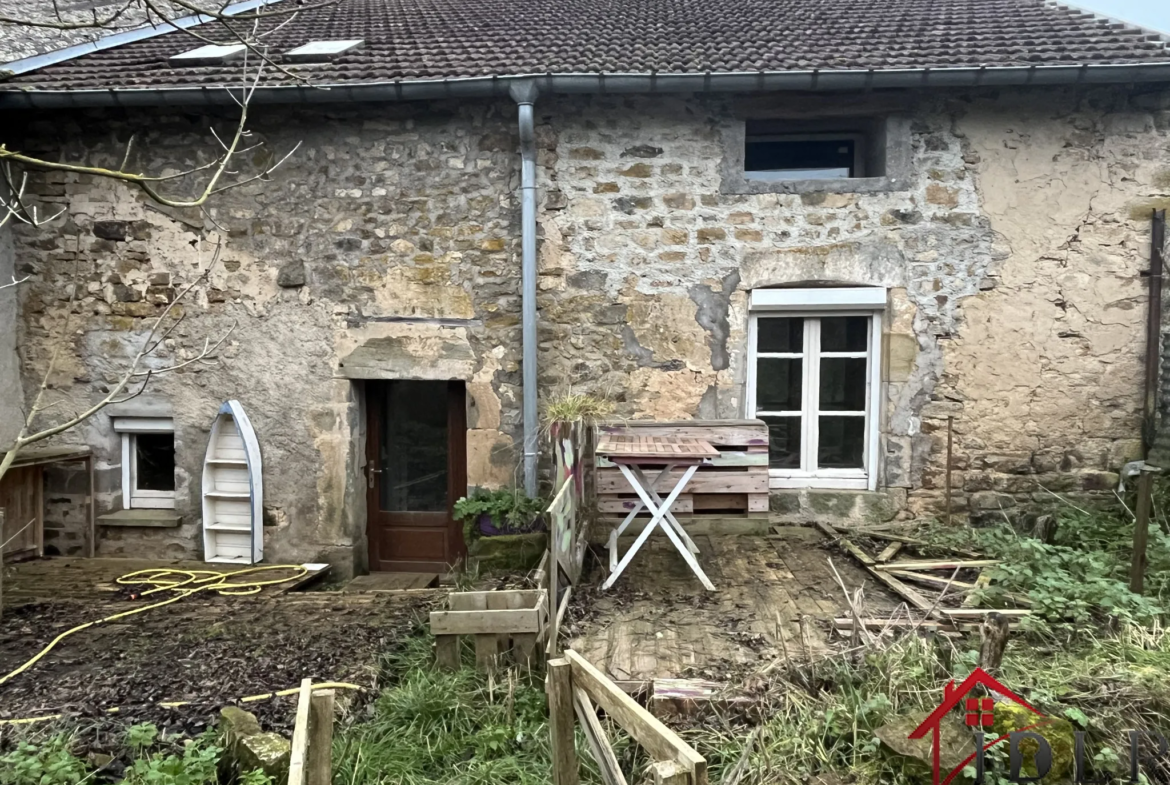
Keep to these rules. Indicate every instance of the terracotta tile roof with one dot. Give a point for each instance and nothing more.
(431, 39)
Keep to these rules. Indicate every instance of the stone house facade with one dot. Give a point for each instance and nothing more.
(983, 277)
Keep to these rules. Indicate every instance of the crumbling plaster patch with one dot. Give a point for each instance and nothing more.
(1048, 365)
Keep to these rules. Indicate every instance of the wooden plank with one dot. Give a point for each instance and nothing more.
(719, 501)
(321, 738)
(736, 481)
(977, 612)
(623, 504)
(895, 585)
(631, 444)
(475, 622)
(725, 459)
(982, 582)
(554, 629)
(721, 433)
(478, 600)
(892, 537)
(668, 772)
(560, 723)
(525, 651)
(487, 651)
(447, 652)
(847, 623)
(298, 757)
(930, 580)
(392, 581)
(660, 741)
(890, 551)
(937, 565)
(607, 762)
(758, 502)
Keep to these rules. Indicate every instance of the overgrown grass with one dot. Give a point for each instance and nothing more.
(1093, 653)
(461, 727)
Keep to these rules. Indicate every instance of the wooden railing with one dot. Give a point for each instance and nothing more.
(311, 759)
(568, 535)
(574, 687)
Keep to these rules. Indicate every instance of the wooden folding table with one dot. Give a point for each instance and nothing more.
(631, 454)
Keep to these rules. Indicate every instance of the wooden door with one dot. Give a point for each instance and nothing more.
(416, 464)
(22, 499)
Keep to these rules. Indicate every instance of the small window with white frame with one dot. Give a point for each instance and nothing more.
(148, 462)
(813, 377)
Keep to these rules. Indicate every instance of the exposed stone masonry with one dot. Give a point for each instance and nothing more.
(388, 248)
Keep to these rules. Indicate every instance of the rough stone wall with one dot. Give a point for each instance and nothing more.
(1012, 257)
(388, 248)
(383, 249)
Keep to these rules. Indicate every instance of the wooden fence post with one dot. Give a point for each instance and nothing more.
(560, 722)
(321, 738)
(300, 739)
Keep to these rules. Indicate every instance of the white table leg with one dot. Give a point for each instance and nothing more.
(678, 527)
(659, 513)
(638, 506)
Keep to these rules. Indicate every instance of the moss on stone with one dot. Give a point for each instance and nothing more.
(509, 552)
(1057, 732)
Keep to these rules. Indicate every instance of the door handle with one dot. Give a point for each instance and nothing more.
(371, 472)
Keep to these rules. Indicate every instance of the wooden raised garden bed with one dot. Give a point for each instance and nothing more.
(513, 620)
(736, 481)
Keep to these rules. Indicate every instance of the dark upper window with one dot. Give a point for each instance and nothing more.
(803, 156)
(788, 150)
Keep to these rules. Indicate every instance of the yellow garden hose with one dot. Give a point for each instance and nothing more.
(325, 685)
(184, 583)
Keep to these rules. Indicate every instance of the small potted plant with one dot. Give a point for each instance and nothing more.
(503, 529)
(502, 511)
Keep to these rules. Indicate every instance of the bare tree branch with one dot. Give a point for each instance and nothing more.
(130, 374)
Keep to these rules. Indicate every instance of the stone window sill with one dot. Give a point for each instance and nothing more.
(147, 519)
(850, 185)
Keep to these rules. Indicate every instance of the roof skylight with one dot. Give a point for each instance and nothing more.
(321, 51)
(212, 54)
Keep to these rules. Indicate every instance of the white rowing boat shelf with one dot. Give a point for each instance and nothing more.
(233, 491)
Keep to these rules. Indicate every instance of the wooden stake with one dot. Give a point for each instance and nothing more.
(298, 758)
(1141, 530)
(994, 632)
(560, 722)
(447, 652)
(607, 762)
(321, 738)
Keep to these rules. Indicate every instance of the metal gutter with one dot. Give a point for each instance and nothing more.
(500, 86)
(524, 93)
(35, 62)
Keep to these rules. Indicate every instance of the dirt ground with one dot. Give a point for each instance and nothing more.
(774, 593)
(208, 650)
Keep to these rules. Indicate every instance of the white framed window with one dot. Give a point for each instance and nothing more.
(148, 462)
(813, 375)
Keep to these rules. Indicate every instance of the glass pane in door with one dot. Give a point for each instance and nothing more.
(414, 447)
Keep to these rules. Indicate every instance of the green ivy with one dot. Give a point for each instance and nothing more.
(1078, 582)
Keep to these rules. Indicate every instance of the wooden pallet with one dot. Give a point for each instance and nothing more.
(514, 620)
(735, 481)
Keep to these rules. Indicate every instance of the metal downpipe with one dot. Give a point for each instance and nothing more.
(525, 95)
